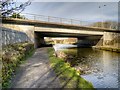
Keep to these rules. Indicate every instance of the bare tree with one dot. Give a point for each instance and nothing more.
(8, 7)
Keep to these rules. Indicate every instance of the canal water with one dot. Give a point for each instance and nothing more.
(97, 66)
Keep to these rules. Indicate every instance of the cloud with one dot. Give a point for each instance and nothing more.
(86, 11)
(76, 1)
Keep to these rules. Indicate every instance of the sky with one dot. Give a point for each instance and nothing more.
(83, 10)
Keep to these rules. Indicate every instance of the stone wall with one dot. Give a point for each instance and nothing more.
(65, 40)
(0, 40)
(111, 39)
(10, 36)
(27, 29)
(111, 42)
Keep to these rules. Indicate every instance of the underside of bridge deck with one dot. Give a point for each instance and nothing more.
(83, 39)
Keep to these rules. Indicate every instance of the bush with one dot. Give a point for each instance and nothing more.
(12, 56)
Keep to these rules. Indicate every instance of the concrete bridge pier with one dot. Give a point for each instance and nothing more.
(39, 40)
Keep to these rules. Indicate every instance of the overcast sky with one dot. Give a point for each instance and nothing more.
(85, 11)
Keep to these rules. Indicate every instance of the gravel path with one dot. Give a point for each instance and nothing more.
(36, 72)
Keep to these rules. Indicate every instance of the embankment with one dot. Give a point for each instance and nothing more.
(69, 77)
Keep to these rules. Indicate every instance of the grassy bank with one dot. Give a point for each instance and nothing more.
(12, 57)
(69, 77)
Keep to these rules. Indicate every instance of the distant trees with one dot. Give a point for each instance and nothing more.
(10, 7)
(106, 24)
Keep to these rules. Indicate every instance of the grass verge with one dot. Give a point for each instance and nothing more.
(68, 76)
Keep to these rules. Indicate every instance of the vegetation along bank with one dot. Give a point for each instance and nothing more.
(12, 56)
(69, 77)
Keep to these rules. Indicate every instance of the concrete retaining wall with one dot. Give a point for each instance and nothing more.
(0, 41)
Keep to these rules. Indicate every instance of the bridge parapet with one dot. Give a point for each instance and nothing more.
(58, 20)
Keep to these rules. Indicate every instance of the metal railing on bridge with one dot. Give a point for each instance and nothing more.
(103, 24)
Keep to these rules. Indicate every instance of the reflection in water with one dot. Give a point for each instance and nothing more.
(99, 67)
(107, 76)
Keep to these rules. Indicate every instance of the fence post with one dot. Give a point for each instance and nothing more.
(48, 18)
(102, 25)
(60, 20)
(71, 21)
(111, 25)
(34, 17)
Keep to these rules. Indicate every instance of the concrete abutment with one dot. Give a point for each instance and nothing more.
(110, 41)
(39, 40)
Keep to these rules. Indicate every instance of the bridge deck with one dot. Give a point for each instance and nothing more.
(61, 25)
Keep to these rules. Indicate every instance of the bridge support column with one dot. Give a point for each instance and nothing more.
(111, 39)
(39, 40)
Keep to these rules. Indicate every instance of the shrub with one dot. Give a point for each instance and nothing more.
(12, 56)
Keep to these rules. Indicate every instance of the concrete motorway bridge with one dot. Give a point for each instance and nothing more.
(37, 30)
